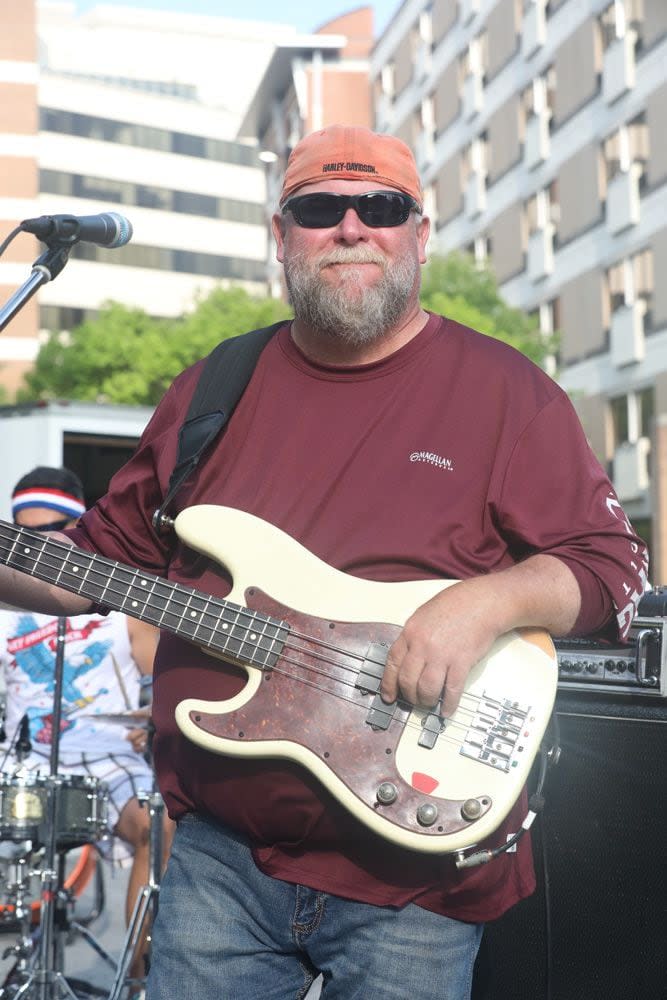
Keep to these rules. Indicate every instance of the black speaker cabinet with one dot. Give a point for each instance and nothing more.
(596, 928)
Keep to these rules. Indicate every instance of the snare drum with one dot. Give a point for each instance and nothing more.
(81, 816)
(83, 812)
(22, 807)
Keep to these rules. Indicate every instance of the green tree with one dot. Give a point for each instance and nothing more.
(456, 287)
(126, 356)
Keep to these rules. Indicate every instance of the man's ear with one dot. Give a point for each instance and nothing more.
(423, 233)
(278, 227)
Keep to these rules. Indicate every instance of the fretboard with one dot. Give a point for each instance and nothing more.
(237, 633)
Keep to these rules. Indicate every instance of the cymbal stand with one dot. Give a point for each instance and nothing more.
(50, 982)
(146, 903)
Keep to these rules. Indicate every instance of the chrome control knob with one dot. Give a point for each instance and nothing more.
(427, 814)
(387, 793)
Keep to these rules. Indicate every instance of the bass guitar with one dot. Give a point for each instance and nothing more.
(313, 642)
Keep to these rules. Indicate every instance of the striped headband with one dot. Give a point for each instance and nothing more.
(58, 500)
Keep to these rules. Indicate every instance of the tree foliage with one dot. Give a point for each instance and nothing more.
(126, 356)
(456, 287)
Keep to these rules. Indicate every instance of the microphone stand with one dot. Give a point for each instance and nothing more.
(47, 267)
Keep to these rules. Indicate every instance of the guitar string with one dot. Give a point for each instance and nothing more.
(238, 611)
(176, 589)
(404, 724)
(400, 703)
(475, 699)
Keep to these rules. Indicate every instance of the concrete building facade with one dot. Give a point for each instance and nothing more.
(311, 81)
(539, 128)
(134, 111)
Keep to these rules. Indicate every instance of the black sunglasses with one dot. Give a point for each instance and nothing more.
(51, 526)
(377, 209)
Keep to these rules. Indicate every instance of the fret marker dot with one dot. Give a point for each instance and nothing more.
(253, 637)
(225, 626)
(26, 552)
(193, 614)
(135, 604)
(144, 583)
(75, 569)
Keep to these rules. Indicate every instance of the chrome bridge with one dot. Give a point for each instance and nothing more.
(498, 733)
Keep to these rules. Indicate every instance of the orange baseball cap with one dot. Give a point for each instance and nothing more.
(352, 153)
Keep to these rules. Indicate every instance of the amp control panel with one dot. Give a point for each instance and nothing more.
(634, 667)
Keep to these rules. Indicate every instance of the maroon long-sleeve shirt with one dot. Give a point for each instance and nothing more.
(453, 457)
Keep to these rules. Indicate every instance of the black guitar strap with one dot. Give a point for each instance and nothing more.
(223, 379)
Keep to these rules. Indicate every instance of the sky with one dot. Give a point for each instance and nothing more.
(304, 16)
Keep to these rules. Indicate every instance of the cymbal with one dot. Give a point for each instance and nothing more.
(127, 719)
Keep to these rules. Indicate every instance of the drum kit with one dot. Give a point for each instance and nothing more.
(47, 824)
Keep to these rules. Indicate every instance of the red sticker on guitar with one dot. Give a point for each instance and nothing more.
(424, 782)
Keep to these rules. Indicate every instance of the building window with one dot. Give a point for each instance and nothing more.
(476, 157)
(422, 45)
(632, 416)
(59, 318)
(146, 137)
(387, 80)
(628, 149)
(161, 199)
(172, 259)
(620, 18)
(630, 282)
(549, 314)
(537, 99)
(480, 250)
(542, 209)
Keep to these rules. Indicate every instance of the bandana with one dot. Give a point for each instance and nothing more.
(354, 154)
(63, 503)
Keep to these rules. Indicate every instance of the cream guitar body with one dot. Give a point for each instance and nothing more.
(321, 709)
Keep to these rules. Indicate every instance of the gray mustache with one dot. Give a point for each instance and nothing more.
(357, 255)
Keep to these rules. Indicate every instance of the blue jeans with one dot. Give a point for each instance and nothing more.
(226, 931)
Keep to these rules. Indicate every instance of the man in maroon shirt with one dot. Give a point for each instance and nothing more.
(395, 445)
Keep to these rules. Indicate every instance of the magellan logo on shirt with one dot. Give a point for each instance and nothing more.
(432, 459)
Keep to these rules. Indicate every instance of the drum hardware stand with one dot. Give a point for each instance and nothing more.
(147, 900)
(40, 966)
(17, 898)
(49, 982)
(25, 949)
(146, 903)
(65, 923)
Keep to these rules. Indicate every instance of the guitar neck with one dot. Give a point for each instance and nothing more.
(235, 632)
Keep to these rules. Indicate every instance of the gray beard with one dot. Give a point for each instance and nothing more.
(343, 313)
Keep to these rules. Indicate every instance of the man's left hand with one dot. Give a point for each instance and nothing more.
(444, 638)
(440, 643)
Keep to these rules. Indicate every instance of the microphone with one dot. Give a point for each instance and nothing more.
(109, 229)
(23, 744)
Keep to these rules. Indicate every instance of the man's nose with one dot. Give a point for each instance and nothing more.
(351, 229)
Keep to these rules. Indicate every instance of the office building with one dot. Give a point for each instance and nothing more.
(539, 128)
